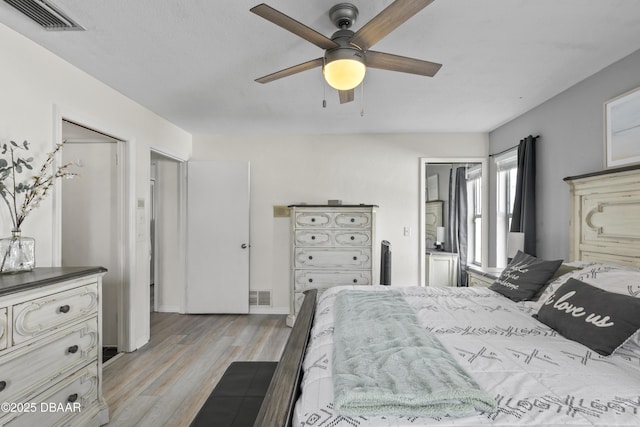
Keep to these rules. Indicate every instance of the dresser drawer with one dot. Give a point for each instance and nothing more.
(353, 219)
(314, 219)
(41, 363)
(318, 237)
(333, 219)
(3, 328)
(315, 279)
(323, 237)
(338, 258)
(41, 315)
(56, 406)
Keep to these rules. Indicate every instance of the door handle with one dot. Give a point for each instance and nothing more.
(244, 246)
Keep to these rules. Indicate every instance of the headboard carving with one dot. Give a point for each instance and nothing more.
(605, 216)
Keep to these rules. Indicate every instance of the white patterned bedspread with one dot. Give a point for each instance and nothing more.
(537, 377)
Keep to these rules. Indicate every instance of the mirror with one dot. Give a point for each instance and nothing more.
(442, 217)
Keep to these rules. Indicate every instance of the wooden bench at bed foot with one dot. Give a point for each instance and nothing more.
(236, 399)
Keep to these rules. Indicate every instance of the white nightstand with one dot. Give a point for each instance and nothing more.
(441, 268)
(483, 276)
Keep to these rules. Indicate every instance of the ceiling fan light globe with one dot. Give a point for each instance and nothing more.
(344, 74)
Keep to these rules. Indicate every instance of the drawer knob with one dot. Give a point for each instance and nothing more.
(3, 385)
(313, 220)
(73, 349)
(310, 257)
(313, 237)
(355, 280)
(72, 397)
(64, 308)
(353, 220)
(353, 237)
(310, 280)
(355, 258)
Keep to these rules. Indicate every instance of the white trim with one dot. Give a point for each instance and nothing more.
(268, 310)
(168, 309)
(182, 225)
(163, 152)
(126, 155)
(507, 160)
(182, 222)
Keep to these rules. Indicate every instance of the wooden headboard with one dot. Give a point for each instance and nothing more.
(605, 216)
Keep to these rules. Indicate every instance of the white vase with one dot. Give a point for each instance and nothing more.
(17, 253)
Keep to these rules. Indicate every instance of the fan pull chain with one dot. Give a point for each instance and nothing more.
(324, 88)
(324, 96)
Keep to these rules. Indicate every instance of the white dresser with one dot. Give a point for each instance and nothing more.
(51, 348)
(441, 268)
(330, 246)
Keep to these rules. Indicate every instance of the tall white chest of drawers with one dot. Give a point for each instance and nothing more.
(50, 348)
(330, 246)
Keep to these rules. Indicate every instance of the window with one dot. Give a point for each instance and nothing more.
(474, 226)
(507, 166)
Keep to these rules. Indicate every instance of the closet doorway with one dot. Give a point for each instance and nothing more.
(166, 233)
(92, 218)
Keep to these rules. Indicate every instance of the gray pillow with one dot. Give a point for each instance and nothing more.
(601, 320)
(524, 277)
(561, 271)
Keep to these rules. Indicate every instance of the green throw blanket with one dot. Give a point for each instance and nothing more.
(385, 363)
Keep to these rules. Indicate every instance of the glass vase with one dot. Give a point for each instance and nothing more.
(17, 253)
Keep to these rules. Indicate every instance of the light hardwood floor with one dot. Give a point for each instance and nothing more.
(166, 382)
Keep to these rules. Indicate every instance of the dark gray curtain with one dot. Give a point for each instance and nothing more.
(524, 205)
(456, 240)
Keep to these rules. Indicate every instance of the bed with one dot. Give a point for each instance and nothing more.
(532, 372)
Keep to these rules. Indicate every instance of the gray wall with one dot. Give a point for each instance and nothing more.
(571, 132)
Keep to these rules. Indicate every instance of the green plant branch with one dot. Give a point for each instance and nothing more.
(34, 191)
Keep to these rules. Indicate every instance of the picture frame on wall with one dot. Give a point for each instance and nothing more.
(622, 130)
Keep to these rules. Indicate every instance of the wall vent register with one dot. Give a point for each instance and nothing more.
(45, 14)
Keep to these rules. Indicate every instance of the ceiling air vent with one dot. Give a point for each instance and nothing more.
(45, 14)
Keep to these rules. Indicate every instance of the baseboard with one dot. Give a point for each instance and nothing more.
(268, 310)
(169, 309)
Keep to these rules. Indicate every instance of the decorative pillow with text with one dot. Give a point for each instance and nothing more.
(524, 277)
(601, 320)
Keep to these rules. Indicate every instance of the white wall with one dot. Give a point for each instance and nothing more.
(371, 169)
(38, 88)
(571, 131)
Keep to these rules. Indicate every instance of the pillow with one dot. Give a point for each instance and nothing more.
(601, 320)
(561, 271)
(524, 277)
(610, 277)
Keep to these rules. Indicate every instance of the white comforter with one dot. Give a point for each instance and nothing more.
(536, 377)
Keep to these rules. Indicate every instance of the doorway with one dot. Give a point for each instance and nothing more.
(166, 232)
(430, 176)
(91, 218)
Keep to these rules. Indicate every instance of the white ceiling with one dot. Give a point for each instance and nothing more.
(194, 61)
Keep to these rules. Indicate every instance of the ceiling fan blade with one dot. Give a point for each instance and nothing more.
(346, 96)
(290, 24)
(291, 70)
(386, 21)
(387, 61)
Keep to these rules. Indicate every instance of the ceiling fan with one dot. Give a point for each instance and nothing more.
(347, 54)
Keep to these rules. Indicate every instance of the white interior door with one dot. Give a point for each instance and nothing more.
(218, 237)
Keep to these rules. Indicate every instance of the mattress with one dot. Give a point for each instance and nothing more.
(537, 377)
